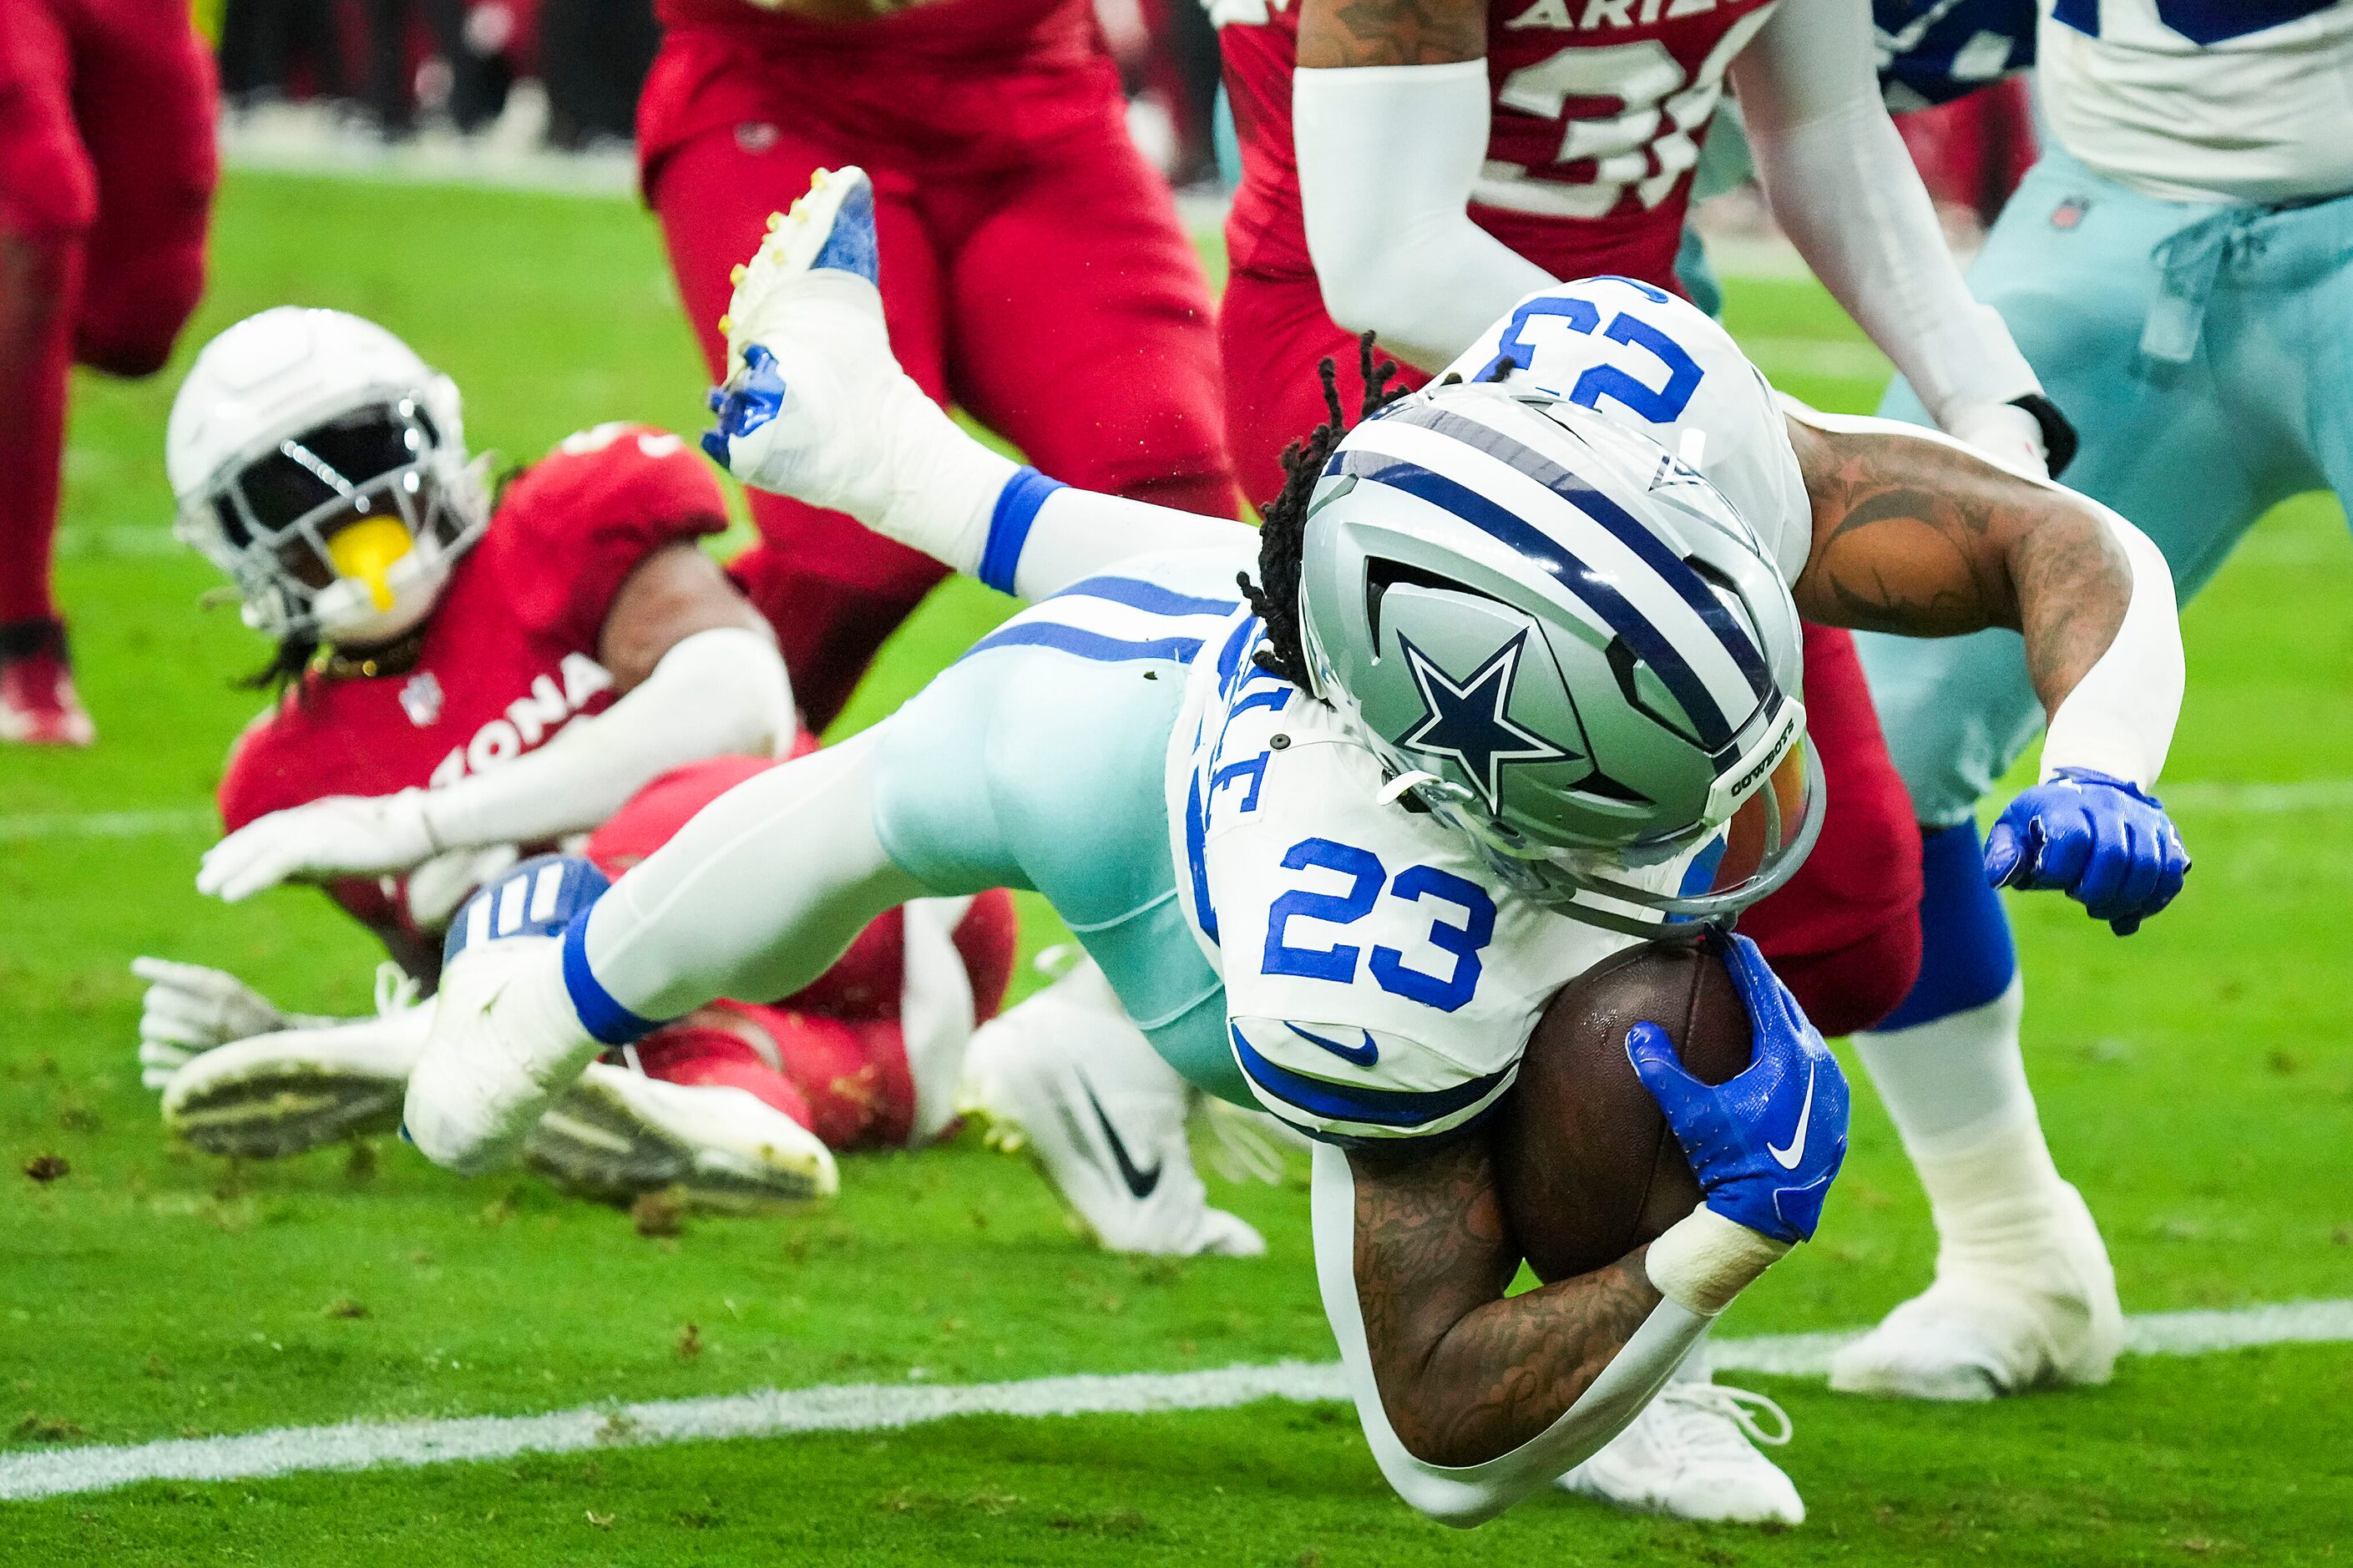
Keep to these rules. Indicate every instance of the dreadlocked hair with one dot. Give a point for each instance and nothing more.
(292, 655)
(1283, 521)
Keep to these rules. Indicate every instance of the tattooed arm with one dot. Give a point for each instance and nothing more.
(1471, 1400)
(1340, 32)
(1923, 538)
(1466, 1374)
(1915, 535)
(1390, 122)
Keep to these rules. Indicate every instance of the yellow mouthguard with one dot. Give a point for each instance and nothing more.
(366, 549)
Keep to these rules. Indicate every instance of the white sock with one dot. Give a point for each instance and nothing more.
(1956, 1090)
(1073, 534)
(935, 1010)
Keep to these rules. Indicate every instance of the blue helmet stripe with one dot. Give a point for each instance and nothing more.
(1541, 548)
(1672, 570)
(1348, 1103)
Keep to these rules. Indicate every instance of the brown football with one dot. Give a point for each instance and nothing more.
(1587, 1167)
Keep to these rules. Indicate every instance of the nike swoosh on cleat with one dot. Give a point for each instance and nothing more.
(1140, 1183)
(1788, 1158)
(1362, 1056)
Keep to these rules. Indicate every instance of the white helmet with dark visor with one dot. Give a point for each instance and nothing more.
(1563, 642)
(323, 464)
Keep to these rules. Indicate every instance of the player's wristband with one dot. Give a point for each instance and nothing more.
(2058, 439)
(1703, 1260)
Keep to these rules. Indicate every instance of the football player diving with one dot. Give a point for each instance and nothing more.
(468, 678)
(1511, 688)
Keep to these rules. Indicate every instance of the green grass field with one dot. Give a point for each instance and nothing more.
(2198, 1081)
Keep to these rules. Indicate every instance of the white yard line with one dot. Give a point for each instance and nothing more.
(872, 1407)
(2260, 799)
(41, 825)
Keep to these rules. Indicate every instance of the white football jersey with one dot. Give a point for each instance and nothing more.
(2204, 101)
(1381, 981)
(1661, 364)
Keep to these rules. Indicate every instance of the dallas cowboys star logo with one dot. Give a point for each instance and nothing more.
(1469, 720)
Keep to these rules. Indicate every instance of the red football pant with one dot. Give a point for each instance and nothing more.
(1844, 935)
(830, 1055)
(1056, 299)
(106, 173)
(1972, 152)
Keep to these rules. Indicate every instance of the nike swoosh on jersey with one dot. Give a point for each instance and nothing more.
(1140, 1183)
(1362, 1056)
(1788, 1158)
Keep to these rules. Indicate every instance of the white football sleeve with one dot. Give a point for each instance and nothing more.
(1387, 158)
(715, 693)
(1847, 193)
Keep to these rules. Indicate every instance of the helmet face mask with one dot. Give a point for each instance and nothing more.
(321, 466)
(1568, 646)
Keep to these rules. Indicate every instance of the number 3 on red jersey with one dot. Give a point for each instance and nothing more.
(1579, 128)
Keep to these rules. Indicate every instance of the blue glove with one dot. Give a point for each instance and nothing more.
(753, 397)
(1766, 1144)
(2104, 842)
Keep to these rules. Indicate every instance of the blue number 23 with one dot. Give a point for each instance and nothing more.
(1367, 877)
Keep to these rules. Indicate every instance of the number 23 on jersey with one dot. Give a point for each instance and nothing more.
(1461, 913)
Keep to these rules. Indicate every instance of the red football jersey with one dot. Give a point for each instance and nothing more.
(1599, 109)
(888, 32)
(510, 654)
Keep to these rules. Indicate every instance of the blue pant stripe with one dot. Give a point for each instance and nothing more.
(1136, 594)
(1085, 644)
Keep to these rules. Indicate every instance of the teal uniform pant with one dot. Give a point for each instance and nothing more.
(1036, 761)
(2206, 355)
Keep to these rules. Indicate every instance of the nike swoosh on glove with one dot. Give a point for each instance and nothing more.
(1765, 1144)
(2105, 843)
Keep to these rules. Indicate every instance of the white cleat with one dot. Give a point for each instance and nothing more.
(1691, 1454)
(1110, 1133)
(505, 1043)
(815, 405)
(296, 1089)
(616, 1134)
(2039, 1310)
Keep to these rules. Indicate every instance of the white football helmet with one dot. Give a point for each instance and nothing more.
(323, 464)
(1565, 643)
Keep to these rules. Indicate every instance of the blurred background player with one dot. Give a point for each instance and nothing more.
(2180, 266)
(736, 1104)
(1039, 277)
(1953, 72)
(469, 680)
(106, 176)
(1414, 171)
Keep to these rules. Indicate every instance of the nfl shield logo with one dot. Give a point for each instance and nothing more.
(2069, 213)
(421, 698)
